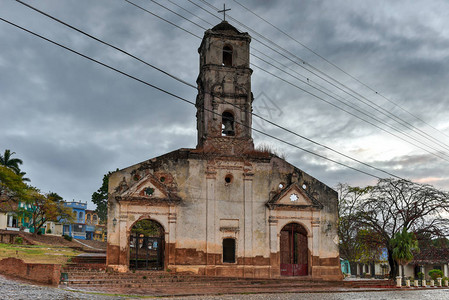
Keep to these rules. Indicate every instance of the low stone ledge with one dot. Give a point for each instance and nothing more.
(42, 273)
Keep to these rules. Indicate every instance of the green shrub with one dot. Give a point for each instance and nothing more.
(48, 230)
(68, 237)
(421, 275)
(18, 240)
(435, 273)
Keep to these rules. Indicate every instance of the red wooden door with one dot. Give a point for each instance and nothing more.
(293, 251)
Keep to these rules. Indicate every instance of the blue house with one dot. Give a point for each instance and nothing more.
(77, 229)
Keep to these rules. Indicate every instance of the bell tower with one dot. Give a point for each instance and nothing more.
(224, 101)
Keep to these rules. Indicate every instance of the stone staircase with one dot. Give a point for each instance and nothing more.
(370, 283)
(161, 283)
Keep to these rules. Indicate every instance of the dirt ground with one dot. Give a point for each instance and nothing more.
(60, 241)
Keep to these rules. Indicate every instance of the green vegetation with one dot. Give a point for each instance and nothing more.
(18, 240)
(435, 273)
(38, 253)
(370, 218)
(404, 244)
(147, 228)
(44, 207)
(68, 237)
(12, 163)
(100, 198)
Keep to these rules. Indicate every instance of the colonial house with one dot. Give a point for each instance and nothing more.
(429, 258)
(8, 215)
(223, 208)
(76, 229)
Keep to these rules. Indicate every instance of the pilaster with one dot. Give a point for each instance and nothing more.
(210, 215)
(248, 214)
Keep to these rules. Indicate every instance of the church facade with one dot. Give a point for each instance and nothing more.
(223, 208)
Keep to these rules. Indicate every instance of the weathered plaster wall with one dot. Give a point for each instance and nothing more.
(211, 210)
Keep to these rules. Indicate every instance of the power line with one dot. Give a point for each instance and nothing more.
(337, 67)
(181, 98)
(304, 63)
(190, 85)
(352, 114)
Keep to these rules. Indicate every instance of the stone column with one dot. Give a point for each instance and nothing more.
(248, 217)
(274, 246)
(314, 239)
(122, 227)
(210, 216)
(171, 235)
(445, 270)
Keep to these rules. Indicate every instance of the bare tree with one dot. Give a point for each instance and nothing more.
(393, 205)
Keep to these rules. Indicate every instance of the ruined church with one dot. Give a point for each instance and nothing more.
(223, 208)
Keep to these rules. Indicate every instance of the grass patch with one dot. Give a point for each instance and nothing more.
(44, 254)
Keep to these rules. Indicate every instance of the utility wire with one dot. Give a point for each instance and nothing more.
(345, 110)
(190, 85)
(191, 13)
(352, 114)
(105, 43)
(379, 109)
(337, 67)
(180, 98)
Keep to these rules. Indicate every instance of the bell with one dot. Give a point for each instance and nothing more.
(228, 128)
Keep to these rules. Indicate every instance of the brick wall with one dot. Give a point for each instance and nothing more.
(42, 273)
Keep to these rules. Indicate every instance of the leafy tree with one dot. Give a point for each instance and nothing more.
(147, 228)
(12, 186)
(353, 244)
(100, 198)
(395, 204)
(12, 163)
(404, 244)
(43, 208)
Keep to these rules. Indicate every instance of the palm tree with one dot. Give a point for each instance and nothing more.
(404, 244)
(12, 163)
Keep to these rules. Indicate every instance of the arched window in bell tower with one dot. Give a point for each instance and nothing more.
(227, 56)
(227, 124)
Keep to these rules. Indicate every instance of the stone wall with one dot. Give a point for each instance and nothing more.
(9, 237)
(42, 273)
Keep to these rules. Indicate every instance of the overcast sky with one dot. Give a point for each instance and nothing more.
(71, 120)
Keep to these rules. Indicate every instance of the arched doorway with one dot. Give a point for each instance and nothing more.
(294, 250)
(146, 246)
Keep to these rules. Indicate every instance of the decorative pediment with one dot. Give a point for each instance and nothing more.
(150, 188)
(293, 197)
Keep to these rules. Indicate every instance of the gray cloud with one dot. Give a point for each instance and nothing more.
(71, 120)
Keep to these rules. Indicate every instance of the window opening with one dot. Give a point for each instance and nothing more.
(227, 56)
(227, 124)
(229, 250)
(228, 178)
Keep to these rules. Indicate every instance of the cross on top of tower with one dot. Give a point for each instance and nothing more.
(224, 10)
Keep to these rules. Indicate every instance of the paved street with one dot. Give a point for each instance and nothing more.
(10, 289)
(16, 290)
(383, 295)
